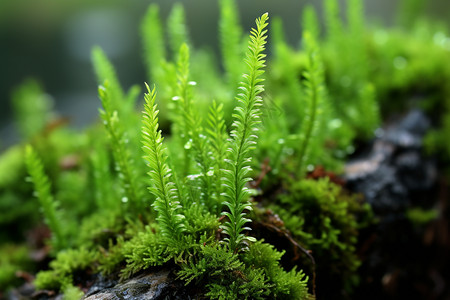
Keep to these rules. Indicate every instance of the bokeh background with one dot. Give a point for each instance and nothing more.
(51, 40)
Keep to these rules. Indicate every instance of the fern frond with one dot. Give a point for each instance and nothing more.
(218, 141)
(410, 11)
(184, 122)
(101, 175)
(245, 126)
(315, 104)
(332, 20)
(32, 108)
(122, 157)
(283, 55)
(42, 189)
(231, 41)
(159, 69)
(166, 204)
(153, 43)
(191, 131)
(177, 30)
(356, 42)
(184, 92)
(310, 22)
(369, 111)
(104, 70)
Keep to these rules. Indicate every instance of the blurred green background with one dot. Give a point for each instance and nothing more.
(51, 40)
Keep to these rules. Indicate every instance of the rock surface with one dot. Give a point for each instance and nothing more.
(152, 286)
(394, 169)
(400, 257)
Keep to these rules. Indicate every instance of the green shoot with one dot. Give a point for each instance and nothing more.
(245, 126)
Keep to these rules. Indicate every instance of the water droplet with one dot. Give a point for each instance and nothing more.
(188, 145)
(289, 151)
(335, 123)
(310, 168)
(194, 176)
(124, 199)
(281, 141)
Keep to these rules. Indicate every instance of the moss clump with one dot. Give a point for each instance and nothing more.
(13, 259)
(255, 274)
(183, 231)
(64, 269)
(326, 219)
(172, 187)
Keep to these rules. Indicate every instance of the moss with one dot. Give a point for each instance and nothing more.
(326, 219)
(420, 216)
(187, 205)
(64, 267)
(13, 259)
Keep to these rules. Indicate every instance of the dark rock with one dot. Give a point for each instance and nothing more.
(393, 169)
(152, 286)
(382, 190)
(409, 131)
(415, 172)
(395, 176)
(415, 122)
(101, 283)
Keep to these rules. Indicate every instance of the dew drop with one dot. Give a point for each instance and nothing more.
(289, 151)
(335, 123)
(194, 176)
(188, 145)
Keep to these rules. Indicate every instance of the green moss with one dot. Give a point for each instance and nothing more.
(419, 216)
(184, 200)
(72, 293)
(63, 267)
(325, 219)
(255, 274)
(13, 259)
